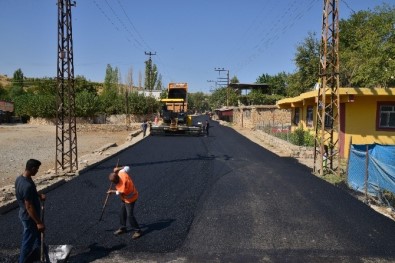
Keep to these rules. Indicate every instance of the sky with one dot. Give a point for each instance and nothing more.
(191, 39)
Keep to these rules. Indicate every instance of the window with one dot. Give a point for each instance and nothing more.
(296, 116)
(386, 116)
(309, 116)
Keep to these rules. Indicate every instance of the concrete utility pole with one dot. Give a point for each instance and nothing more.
(328, 100)
(224, 81)
(150, 77)
(66, 131)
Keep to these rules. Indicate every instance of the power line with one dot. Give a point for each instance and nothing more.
(134, 28)
(293, 13)
(124, 26)
(138, 46)
(348, 6)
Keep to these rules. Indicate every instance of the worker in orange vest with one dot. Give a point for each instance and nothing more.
(127, 191)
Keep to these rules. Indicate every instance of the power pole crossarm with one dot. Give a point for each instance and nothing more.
(226, 80)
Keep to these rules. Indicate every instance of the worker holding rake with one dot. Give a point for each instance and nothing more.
(125, 188)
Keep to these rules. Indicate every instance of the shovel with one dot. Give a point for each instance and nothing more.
(53, 254)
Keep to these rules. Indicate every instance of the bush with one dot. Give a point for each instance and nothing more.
(298, 137)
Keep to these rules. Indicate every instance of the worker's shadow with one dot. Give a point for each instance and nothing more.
(94, 252)
(157, 226)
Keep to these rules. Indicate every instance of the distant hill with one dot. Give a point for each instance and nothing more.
(4, 80)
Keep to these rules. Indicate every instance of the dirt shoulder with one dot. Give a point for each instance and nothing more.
(18, 143)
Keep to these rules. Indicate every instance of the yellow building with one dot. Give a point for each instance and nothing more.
(367, 115)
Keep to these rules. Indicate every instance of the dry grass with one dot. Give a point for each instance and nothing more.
(4, 81)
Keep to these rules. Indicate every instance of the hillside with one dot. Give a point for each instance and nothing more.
(4, 80)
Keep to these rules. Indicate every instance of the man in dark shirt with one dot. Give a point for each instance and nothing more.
(29, 212)
(207, 127)
(144, 127)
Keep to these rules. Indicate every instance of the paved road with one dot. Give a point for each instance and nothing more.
(220, 198)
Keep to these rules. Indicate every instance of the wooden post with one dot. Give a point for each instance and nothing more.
(348, 158)
(366, 172)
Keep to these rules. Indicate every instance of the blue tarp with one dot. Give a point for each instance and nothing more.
(381, 168)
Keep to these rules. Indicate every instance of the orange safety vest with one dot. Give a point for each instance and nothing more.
(126, 188)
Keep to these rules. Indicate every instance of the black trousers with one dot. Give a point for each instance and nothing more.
(127, 214)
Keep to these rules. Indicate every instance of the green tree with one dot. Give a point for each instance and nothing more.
(87, 104)
(198, 102)
(3, 93)
(42, 86)
(17, 84)
(159, 83)
(307, 64)
(140, 104)
(164, 93)
(18, 78)
(35, 105)
(277, 84)
(367, 48)
(151, 75)
(220, 96)
(256, 97)
(110, 100)
(111, 79)
(82, 84)
(234, 80)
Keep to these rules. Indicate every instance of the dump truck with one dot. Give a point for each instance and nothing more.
(174, 113)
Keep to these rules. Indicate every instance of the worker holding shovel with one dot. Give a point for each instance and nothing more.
(29, 212)
(125, 188)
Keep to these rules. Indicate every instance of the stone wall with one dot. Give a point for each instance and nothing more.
(261, 116)
(119, 119)
(293, 150)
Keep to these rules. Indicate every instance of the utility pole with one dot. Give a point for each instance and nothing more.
(224, 81)
(150, 77)
(66, 131)
(328, 100)
(214, 84)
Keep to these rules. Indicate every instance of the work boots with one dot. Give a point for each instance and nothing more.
(136, 234)
(120, 231)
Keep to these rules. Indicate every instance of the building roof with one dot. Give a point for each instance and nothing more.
(311, 95)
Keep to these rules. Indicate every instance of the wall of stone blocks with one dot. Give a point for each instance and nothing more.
(254, 117)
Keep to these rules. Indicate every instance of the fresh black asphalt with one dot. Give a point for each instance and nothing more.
(220, 198)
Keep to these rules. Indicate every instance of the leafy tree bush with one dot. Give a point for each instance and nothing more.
(111, 102)
(35, 105)
(198, 102)
(141, 105)
(277, 83)
(3, 93)
(223, 96)
(301, 137)
(298, 137)
(367, 44)
(257, 98)
(367, 51)
(87, 104)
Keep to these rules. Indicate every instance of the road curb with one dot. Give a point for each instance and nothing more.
(14, 204)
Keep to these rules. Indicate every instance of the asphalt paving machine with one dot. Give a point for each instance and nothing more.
(174, 113)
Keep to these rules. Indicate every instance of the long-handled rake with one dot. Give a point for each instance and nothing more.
(108, 195)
